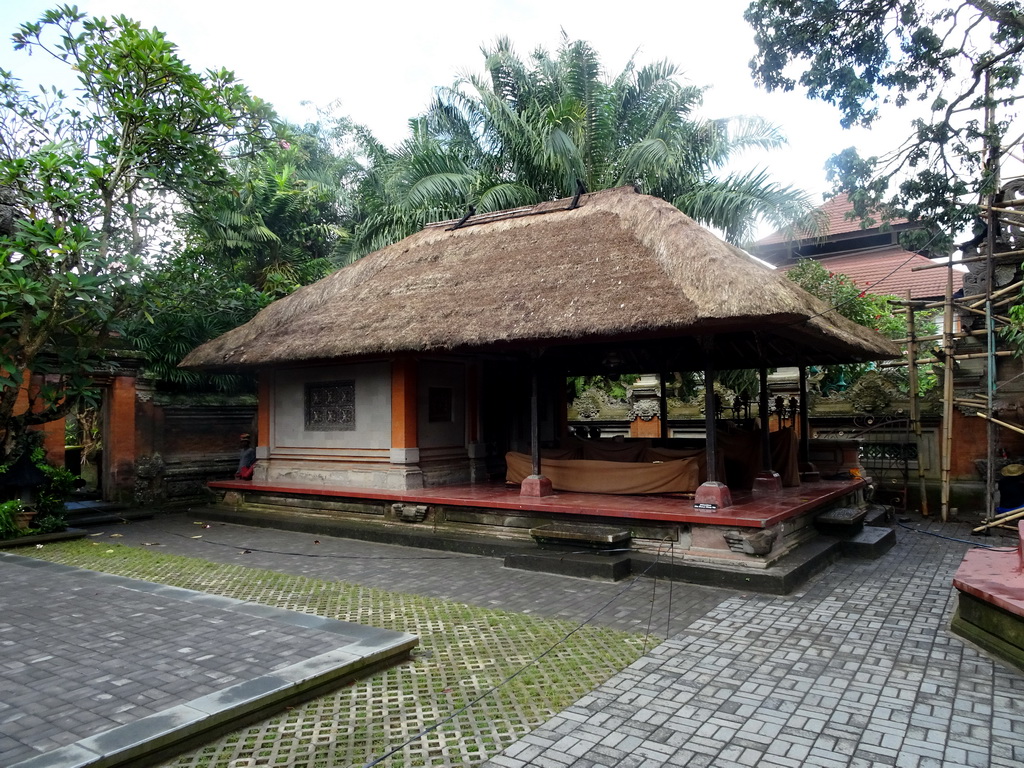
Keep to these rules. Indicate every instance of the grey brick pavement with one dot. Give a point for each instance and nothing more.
(82, 653)
(481, 581)
(857, 669)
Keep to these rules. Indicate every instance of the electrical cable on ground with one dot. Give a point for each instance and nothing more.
(951, 538)
(246, 548)
(510, 678)
(308, 554)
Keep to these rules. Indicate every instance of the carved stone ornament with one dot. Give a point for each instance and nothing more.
(758, 543)
(645, 410)
(588, 404)
(410, 513)
(872, 393)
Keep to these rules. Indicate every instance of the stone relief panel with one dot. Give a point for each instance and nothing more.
(330, 406)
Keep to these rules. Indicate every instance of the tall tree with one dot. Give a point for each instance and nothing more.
(861, 55)
(90, 176)
(282, 225)
(527, 131)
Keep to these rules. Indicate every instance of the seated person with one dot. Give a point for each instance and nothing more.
(246, 458)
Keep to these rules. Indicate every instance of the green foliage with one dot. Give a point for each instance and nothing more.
(1013, 333)
(863, 54)
(50, 523)
(529, 130)
(867, 309)
(54, 492)
(9, 511)
(93, 177)
(282, 225)
(613, 386)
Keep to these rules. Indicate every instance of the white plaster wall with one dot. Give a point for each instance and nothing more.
(452, 376)
(372, 400)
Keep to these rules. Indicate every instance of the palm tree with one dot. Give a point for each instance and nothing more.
(527, 132)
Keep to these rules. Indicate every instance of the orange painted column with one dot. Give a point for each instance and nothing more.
(53, 431)
(404, 413)
(119, 444)
(640, 428)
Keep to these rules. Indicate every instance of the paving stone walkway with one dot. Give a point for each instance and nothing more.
(859, 669)
(856, 669)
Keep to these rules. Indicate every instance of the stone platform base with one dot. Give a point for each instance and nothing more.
(990, 608)
(991, 628)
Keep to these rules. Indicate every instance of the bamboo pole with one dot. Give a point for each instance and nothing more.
(968, 260)
(1001, 292)
(933, 360)
(990, 274)
(981, 313)
(915, 415)
(939, 337)
(947, 394)
(1013, 514)
(991, 420)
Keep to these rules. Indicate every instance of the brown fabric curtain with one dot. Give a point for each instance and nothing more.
(613, 477)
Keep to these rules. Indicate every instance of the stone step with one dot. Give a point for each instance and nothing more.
(870, 543)
(881, 515)
(579, 564)
(83, 513)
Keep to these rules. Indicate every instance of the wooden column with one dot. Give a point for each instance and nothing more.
(712, 494)
(663, 405)
(808, 472)
(404, 414)
(536, 484)
(767, 480)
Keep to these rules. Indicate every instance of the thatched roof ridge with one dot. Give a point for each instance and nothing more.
(619, 266)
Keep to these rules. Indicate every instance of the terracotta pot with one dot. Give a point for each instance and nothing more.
(24, 518)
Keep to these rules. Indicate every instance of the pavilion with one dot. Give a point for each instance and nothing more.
(416, 370)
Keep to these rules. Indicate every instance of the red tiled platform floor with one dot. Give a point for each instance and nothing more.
(995, 576)
(746, 511)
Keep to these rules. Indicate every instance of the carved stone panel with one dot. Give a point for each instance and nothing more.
(330, 406)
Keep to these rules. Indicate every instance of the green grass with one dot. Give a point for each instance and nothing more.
(463, 651)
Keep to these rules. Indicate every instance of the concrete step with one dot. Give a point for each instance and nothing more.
(583, 565)
(870, 543)
(83, 513)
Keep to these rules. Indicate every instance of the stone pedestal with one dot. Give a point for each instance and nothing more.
(767, 483)
(536, 486)
(716, 495)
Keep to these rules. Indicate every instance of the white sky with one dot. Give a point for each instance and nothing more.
(381, 59)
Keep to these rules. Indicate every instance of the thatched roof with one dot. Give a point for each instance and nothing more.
(620, 269)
